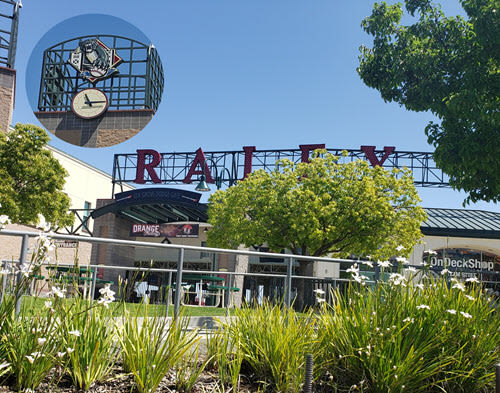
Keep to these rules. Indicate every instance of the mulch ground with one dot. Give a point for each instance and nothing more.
(124, 383)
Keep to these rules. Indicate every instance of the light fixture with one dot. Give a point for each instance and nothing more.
(202, 185)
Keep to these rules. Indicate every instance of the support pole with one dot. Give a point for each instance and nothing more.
(22, 262)
(94, 281)
(178, 283)
(288, 283)
(228, 299)
(497, 374)
(169, 286)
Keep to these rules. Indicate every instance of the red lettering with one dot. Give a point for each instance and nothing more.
(149, 167)
(370, 154)
(247, 169)
(202, 162)
(306, 149)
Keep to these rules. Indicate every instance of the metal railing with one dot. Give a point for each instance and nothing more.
(286, 277)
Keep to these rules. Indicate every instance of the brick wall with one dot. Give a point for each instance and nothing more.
(110, 129)
(7, 92)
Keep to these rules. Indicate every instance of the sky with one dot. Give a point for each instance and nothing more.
(271, 74)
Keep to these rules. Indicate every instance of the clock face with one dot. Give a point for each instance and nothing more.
(89, 103)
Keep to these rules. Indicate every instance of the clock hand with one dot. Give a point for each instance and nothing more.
(96, 102)
(87, 100)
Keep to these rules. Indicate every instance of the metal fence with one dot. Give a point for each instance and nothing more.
(173, 285)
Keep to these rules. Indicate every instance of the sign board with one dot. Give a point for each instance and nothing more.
(165, 230)
(66, 243)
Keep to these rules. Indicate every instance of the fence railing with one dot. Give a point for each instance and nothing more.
(175, 275)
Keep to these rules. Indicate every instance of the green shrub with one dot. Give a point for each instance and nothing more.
(404, 337)
(152, 346)
(274, 341)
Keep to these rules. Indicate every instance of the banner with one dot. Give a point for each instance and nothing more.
(165, 230)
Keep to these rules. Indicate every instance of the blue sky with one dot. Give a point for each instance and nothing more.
(274, 74)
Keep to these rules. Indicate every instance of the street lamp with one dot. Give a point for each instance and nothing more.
(203, 186)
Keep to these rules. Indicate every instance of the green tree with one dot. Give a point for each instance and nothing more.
(450, 67)
(31, 179)
(319, 208)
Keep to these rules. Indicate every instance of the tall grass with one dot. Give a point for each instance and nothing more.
(89, 338)
(405, 337)
(274, 341)
(152, 346)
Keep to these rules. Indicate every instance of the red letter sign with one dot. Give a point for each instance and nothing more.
(370, 154)
(247, 169)
(308, 148)
(202, 162)
(141, 165)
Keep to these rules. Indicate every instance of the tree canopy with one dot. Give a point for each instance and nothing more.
(31, 180)
(450, 67)
(318, 208)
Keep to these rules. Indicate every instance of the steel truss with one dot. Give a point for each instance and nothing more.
(227, 167)
(9, 21)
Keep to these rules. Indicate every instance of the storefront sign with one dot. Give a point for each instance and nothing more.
(466, 263)
(165, 230)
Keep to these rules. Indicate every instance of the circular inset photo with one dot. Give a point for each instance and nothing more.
(100, 80)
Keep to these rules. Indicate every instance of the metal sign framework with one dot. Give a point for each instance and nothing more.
(138, 84)
(227, 167)
(9, 22)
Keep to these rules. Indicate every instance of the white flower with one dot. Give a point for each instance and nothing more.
(470, 297)
(423, 307)
(42, 341)
(444, 271)
(472, 279)
(70, 350)
(459, 285)
(425, 264)
(353, 269)
(420, 286)
(4, 220)
(319, 292)
(30, 358)
(402, 260)
(384, 264)
(320, 300)
(399, 248)
(4, 365)
(397, 279)
(48, 304)
(60, 354)
(408, 319)
(43, 224)
(108, 296)
(368, 263)
(57, 292)
(75, 333)
(359, 278)
(411, 269)
(26, 270)
(465, 315)
(430, 252)
(451, 311)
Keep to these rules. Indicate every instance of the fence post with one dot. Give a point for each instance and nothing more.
(6, 268)
(497, 374)
(94, 281)
(168, 290)
(178, 283)
(228, 297)
(309, 374)
(288, 284)
(22, 260)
